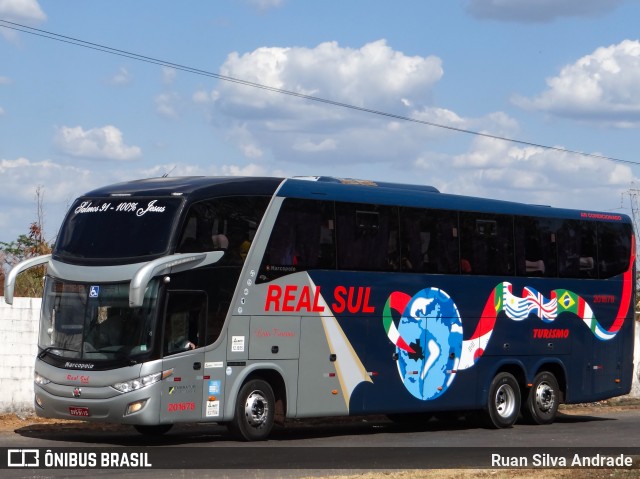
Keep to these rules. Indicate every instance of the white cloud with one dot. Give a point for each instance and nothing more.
(166, 105)
(1, 111)
(104, 143)
(375, 76)
(123, 77)
(293, 129)
(169, 75)
(498, 169)
(328, 144)
(20, 11)
(61, 184)
(538, 11)
(602, 87)
(251, 169)
(264, 5)
(21, 177)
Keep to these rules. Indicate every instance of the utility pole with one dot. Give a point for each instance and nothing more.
(634, 194)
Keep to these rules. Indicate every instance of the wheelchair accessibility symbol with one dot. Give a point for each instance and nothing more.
(94, 291)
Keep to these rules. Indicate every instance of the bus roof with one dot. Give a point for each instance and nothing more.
(193, 187)
(196, 188)
(425, 197)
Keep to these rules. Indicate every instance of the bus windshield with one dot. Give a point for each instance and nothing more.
(95, 322)
(117, 228)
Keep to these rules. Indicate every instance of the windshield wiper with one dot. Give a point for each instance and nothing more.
(46, 351)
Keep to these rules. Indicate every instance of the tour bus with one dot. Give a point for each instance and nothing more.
(249, 301)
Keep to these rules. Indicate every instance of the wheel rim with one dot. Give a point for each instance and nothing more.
(256, 409)
(545, 397)
(505, 401)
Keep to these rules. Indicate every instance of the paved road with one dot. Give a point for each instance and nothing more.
(314, 445)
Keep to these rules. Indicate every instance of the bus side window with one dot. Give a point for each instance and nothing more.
(184, 321)
(367, 237)
(588, 261)
(196, 232)
(577, 254)
(486, 244)
(429, 241)
(302, 238)
(222, 224)
(614, 248)
(536, 253)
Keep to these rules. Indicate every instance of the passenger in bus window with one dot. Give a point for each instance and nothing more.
(465, 266)
(220, 242)
(177, 334)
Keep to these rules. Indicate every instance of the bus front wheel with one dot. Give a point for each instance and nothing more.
(503, 405)
(542, 401)
(254, 414)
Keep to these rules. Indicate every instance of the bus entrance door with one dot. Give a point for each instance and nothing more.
(182, 397)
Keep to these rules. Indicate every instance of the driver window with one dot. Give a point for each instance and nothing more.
(184, 321)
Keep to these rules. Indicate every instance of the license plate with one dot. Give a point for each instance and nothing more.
(79, 411)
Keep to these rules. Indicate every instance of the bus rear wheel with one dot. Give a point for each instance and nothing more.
(542, 401)
(254, 414)
(503, 405)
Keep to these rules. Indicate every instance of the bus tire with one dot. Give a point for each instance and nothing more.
(255, 411)
(157, 430)
(543, 399)
(503, 405)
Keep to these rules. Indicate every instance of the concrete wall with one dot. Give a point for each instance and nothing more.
(18, 348)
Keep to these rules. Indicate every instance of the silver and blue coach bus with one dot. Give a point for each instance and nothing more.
(247, 301)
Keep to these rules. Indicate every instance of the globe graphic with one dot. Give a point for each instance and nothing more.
(431, 326)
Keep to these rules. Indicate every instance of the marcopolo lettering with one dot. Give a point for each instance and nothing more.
(71, 365)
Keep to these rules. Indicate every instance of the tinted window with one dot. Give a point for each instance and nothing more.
(223, 224)
(184, 322)
(367, 237)
(577, 255)
(117, 228)
(536, 252)
(614, 248)
(429, 241)
(486, 244)
(303, 237)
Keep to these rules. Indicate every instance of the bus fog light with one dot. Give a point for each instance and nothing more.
(135, 407)
(39, 401)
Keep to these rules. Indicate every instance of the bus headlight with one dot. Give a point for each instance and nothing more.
(142, 382)
(40, 380)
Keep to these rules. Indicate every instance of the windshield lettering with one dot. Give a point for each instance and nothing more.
(127, 207)
(85, 207)
(151, 208)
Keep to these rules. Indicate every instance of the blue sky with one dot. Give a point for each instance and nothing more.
(560, 73)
